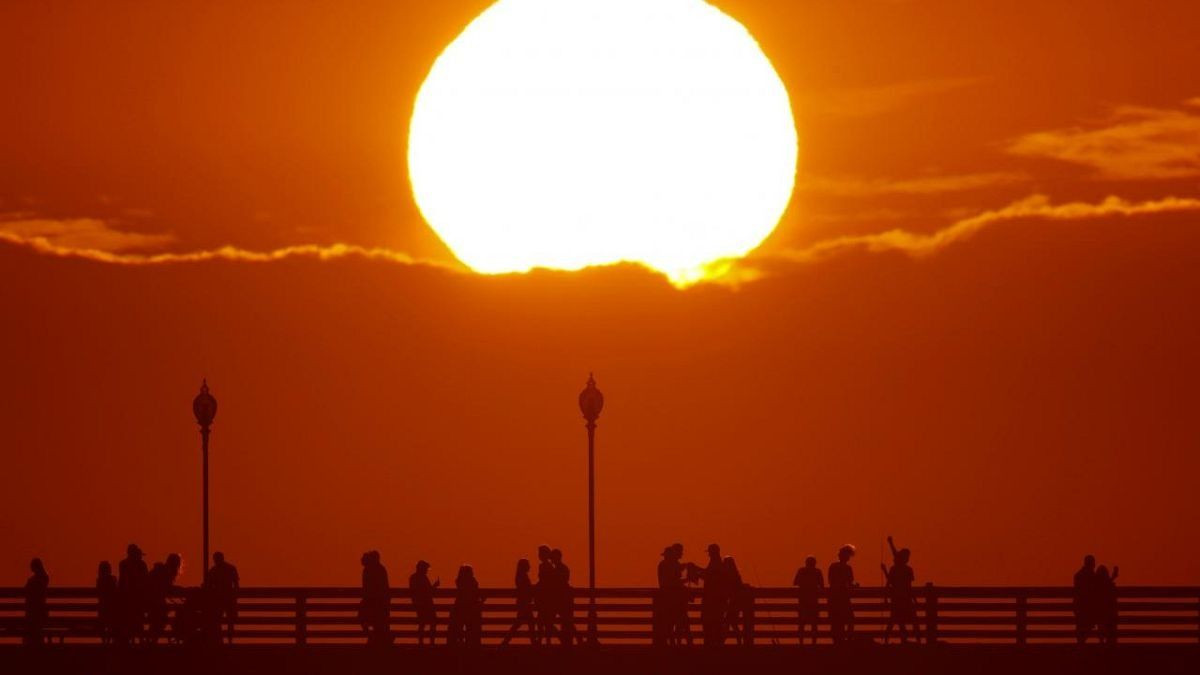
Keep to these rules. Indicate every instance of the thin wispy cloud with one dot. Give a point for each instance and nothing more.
(1134, 143)
(923, 185)
(861, 102)
(76, 234)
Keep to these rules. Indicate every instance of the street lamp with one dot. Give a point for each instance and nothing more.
(591, 402)
(204, 406)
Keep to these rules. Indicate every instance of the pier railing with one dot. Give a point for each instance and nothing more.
(953, 614)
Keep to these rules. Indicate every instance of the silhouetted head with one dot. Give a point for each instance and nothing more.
(218, 557)
(903, 555)
(714, 551)
(846, 552)
(465, 573)
(523, 566)
(365, 559)
(423, 566)
(730, 565)
(543, 552)
(376, 559)
(810, 561)
(1102, 573)
(174, 561)
(105, 569)
(36, 566)
(555, 556)
(133, 551)
(1089, 562)
(677, 549)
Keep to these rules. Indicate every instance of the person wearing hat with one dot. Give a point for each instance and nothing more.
(421, 590)
(714, 602)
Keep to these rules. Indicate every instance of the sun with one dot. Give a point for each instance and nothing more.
(568, 133)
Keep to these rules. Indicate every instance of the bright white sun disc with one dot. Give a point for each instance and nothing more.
(569, 133)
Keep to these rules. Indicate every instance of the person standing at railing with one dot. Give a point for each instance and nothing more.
(524, 606)
(161, 584)
(714, 602)
(37, 613)
(671, 601)
(421, 590)
(841, 581)
(543, 594)
(1084, 599)
(374, 612)
(809, 581)
(466, 616)
(222, 587)
(902, 603)
(740, 614)
(131, 594)
(1106, 603)
(106, 602)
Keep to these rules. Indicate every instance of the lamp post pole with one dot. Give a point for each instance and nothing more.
(204, 406)
(591, 402)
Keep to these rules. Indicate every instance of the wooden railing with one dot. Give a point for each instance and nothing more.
(953, 614)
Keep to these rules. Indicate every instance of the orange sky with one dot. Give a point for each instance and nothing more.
(975, 328)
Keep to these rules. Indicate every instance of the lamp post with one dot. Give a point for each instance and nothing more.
(591, 402)
(204, 406)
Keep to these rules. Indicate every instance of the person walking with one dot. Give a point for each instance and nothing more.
(374, 612)
(524, 605)
(132, 578)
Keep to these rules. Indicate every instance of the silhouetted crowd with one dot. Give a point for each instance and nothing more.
(135, 605)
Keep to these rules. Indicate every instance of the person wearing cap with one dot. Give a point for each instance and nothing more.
(421, 590)
(714, 602)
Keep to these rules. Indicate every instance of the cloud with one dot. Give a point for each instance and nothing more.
(1034, 207)
(1134, 143)
(925, 185)
(76, 234)
(874, 101)
(94, 239)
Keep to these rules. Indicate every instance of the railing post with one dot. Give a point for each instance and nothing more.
(1198, 619)
(1022, 616)
(301, 618)
(931, 614)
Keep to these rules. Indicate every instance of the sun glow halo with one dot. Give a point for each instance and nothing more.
(569, 133)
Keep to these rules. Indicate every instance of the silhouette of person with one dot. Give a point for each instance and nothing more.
(161, 584)
(1083, 600)
(524, 587)
(466, 616)
(1106, 603)
(222, 592)
(809, 581)
(563, 599)
(106, 602)
(131, 593)
(543, 594)
(37, 613)
(902, 602)
(671, 600)
(841, 610)
(421, 590)
(739, 616)
(714, 601)
(374, 612)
